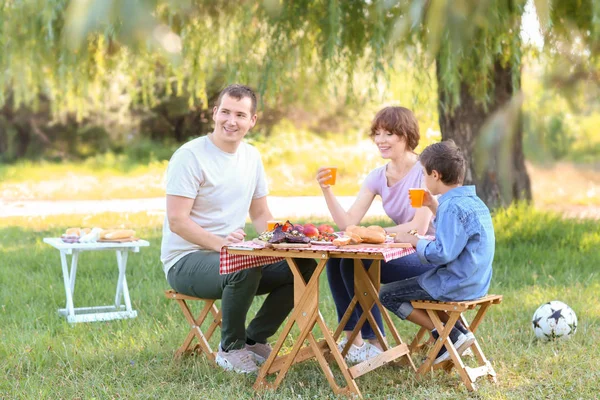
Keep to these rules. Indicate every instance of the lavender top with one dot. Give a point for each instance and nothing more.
(395, 198)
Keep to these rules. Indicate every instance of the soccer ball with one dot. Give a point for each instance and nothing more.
(554, 320)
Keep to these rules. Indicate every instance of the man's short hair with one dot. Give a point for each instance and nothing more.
(238, 92)
(400, 121)
(447, 159)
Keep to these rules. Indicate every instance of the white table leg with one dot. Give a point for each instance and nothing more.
(74, 260)
(122, 282)
(67, 281)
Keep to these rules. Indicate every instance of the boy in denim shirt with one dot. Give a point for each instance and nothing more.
(463, 249)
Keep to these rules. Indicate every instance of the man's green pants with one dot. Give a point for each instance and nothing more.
(197, 275)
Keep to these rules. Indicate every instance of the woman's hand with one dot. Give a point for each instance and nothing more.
(323, 174)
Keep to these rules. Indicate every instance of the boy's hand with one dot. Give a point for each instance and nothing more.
(428, 199)
(405, 237)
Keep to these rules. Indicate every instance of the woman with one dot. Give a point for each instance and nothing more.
(395, 131)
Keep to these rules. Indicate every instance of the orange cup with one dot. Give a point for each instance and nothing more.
(333, 172)
(271, 224)
(416, 197)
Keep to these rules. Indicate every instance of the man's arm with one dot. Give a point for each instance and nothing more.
(260, 214)
(178, 214)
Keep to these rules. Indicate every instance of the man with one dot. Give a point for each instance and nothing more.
(213, 183)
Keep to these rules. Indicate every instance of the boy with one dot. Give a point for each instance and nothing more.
(463, 249)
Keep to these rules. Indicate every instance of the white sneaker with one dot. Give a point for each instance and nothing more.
(240, 361)
(260, 351)
(359, 354)
(465, 348)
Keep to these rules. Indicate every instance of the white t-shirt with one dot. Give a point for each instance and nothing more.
(222, 185)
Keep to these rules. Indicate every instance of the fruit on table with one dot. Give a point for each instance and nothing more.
(324, 228)
(287, 227)
(310, 230)
(326, 237)
(299, 227)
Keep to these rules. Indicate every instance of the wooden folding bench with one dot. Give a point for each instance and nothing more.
(196, 324)
(455, 311)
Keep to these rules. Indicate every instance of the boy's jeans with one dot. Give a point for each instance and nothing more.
(197, 275)
(397, 296)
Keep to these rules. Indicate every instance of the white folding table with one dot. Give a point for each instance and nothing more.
(99, 313)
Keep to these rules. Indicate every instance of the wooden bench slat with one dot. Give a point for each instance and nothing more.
(171, 294)
(493, 298)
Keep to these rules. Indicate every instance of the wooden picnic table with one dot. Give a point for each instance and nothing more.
(306, 314)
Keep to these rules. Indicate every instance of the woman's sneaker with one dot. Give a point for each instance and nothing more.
(458, 339)
(240, 361)
(359, 354)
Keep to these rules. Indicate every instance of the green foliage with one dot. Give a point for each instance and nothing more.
(539, 257)
(559, 124)
(80, 53)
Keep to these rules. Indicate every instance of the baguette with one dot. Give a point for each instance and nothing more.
(111, 234)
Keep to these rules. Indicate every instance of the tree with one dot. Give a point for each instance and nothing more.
(83, 50)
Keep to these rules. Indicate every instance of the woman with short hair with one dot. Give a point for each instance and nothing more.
(395, 132)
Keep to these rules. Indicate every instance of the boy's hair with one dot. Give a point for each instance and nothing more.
(238, 92)
(399, 121)
(447, 159)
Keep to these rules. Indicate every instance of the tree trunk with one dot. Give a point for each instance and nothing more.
(502, 177)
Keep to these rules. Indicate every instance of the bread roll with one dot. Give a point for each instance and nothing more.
(377, 228)
(112, 234)
(341, 241)
(373, 235)
(351, 228)
(73, 232)
(354, 238)
(370, 236)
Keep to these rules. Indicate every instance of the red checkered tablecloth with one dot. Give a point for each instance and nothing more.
(236, 262)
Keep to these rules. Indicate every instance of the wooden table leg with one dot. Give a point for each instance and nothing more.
(366, 292)
(306, 314)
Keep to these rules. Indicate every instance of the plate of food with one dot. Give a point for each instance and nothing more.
(324, 238)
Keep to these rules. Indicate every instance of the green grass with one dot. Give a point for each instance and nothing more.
(539, 257)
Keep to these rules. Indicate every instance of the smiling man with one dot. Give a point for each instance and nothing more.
(213, 183)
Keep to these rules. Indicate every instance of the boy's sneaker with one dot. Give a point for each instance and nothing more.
(359, 354)
(458, 339)
(239, 360)
(465, 348)
(260, 351)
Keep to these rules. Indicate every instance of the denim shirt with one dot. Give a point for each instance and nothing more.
(463, 249)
